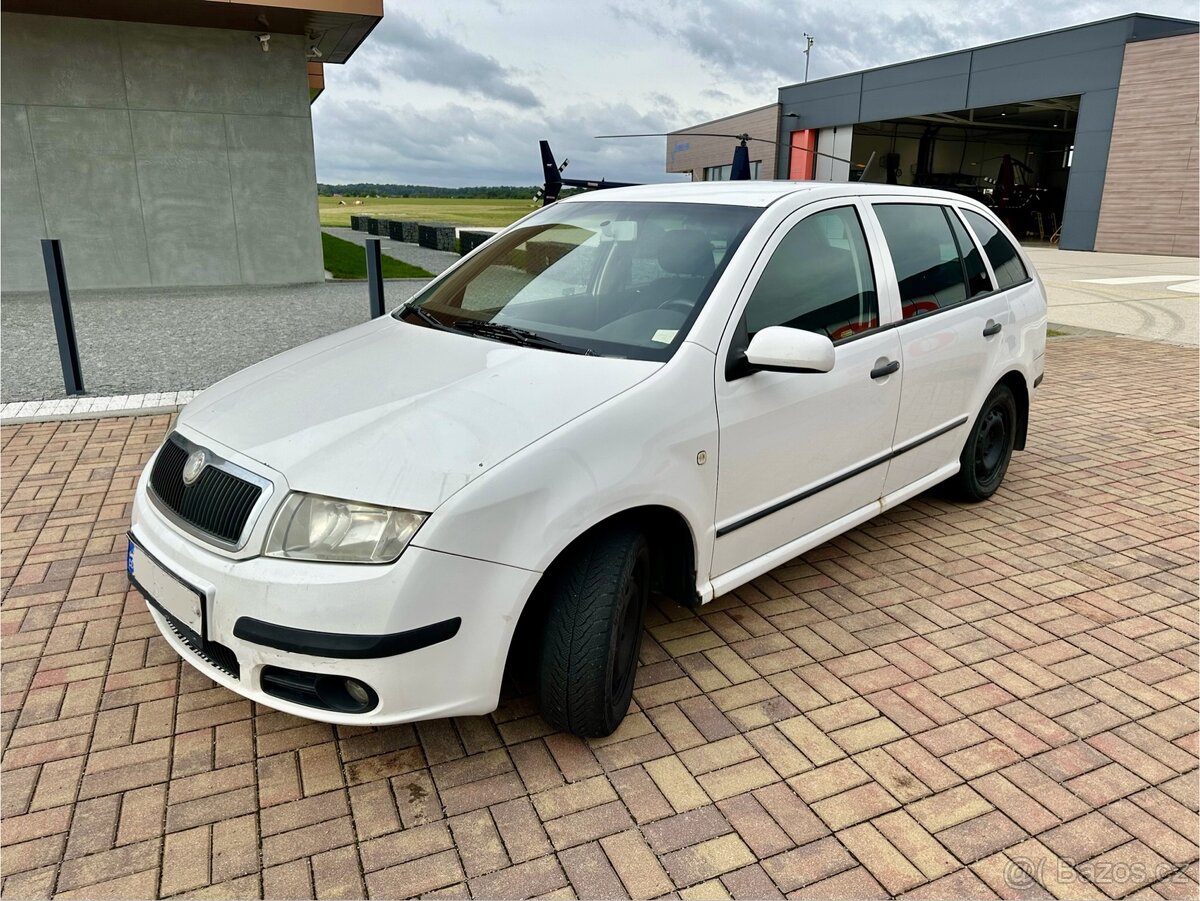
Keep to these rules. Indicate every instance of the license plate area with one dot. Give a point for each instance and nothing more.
(165, 590)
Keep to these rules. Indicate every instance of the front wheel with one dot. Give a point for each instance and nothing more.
(598, 597)
(989, 447)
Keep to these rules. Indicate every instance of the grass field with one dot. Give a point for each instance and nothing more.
(426, 209)
(345, 259)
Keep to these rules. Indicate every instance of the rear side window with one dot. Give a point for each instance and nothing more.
(1003, 256)
(925, 256)
(977, 276)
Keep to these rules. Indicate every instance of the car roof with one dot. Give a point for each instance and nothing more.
(756, 193)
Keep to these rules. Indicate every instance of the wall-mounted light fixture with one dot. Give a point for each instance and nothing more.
(264, 39)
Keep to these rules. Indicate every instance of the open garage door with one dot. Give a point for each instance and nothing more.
(1015, 158)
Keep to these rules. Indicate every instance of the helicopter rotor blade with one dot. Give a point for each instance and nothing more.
(687, 134)
(830, 156)
(668, 134)
(742, 137)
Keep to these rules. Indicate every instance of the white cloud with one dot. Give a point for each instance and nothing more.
(459, 94)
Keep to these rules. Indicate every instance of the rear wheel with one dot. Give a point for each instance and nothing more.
(989, 447)
(598, 597)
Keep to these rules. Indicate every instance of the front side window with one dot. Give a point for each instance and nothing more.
(819, 279)
(1001, 254)
(925, 256)
(602, 277)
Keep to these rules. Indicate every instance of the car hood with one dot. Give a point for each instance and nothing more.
(398, 414)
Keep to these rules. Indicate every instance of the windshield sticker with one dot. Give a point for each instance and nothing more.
(665, 335)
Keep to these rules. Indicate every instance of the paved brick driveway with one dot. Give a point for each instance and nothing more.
(951, 701)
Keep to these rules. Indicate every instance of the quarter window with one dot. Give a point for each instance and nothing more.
(1003, 256)
(925, 256)
(818, 279)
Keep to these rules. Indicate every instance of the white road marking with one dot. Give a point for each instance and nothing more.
(1135, 279)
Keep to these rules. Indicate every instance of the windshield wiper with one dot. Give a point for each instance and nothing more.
(424, 315)
(513, 335)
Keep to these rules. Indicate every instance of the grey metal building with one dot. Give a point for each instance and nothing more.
(1097, 123)
(166, 143)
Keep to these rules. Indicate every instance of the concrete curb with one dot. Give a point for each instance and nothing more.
(62, 408)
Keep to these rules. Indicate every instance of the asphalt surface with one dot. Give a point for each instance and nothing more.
(146, 340)
(1141, 296)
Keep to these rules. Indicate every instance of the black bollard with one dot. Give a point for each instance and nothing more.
(64, 322)
(375, 277)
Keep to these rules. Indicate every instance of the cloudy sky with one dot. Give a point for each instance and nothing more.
(458, 93)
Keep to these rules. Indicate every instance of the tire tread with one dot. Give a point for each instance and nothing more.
(574, 665)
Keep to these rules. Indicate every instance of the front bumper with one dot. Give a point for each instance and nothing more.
(457, 675)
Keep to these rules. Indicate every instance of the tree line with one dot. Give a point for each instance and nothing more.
(494, 192)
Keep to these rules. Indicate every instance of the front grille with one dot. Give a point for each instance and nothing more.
(213, 653)
(218, 503)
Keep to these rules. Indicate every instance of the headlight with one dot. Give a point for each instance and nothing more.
(311, 527)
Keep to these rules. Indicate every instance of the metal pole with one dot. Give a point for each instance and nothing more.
(375, 277)
(807, 54)
(64, 322)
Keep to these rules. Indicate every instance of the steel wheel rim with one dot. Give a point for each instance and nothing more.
(991, 444)
(628, 632)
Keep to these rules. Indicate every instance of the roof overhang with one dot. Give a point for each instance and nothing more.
(337, 26)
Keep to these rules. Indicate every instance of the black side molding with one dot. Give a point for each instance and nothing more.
(346, 647)
(837, 480)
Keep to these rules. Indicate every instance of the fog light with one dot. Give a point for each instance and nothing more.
(345, 694)
(358, 691)
(327, 692)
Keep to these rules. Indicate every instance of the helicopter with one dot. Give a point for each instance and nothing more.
(554, 182)
(740, 170)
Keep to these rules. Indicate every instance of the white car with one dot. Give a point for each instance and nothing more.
(656, 389)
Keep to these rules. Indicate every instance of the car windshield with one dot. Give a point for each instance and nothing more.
(613, 278)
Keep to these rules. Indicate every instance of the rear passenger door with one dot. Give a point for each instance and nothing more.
(951, 332)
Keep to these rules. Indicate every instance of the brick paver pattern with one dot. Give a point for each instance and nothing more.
(952, 701)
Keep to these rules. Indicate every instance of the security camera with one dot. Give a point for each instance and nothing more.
(264, 41)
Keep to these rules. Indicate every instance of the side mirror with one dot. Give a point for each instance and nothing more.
(778, 348)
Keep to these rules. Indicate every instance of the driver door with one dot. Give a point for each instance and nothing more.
(802, 450)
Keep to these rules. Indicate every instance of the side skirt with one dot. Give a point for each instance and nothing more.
(752, 569)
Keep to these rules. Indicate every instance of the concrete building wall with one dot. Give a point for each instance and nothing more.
(691, 153)
(1152, 184)
(160, 155)
(1085, 60)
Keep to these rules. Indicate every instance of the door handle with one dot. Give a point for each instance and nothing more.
(886, 369)
(992, 328)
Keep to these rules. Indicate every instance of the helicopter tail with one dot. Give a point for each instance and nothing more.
(551, 174)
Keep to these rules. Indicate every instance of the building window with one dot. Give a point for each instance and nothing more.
(721, 173)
